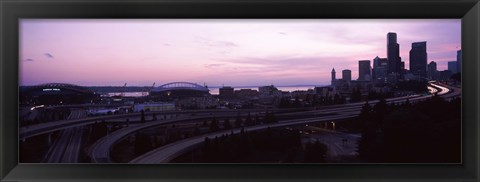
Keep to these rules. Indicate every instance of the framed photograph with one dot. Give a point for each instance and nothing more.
(239, 91)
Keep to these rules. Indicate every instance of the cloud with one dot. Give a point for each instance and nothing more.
(29, 59)
(214, 43)
(278, 66)
(224, 44)
(48, 55)
(166, 44)
(211, 66)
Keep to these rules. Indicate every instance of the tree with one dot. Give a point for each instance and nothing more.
(337, 99)
(315, 152)
(356, 95)
(284, 103)
(457, 77)
(196, 131)
(297, 103)
(227, 124)
(380, 110)
(142, 116)
(249, 120)
(368, 132)
(238, 121)
(270, 117)
(214, 125)
(364, 115)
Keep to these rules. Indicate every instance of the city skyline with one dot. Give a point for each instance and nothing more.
(218, 52)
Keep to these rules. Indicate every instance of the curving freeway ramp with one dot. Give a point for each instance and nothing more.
(168, 152)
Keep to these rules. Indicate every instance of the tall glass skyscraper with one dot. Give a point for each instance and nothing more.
(418, 59)
(380, 68)
(364, 70)
(393, 53)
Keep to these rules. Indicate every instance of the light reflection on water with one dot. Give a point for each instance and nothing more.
(215, 91)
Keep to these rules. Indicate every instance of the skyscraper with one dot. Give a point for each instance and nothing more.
(347, 75)
(418, 59)
(333, 76)
(380, 67)
(393, 53)
(432, 70)
(459, 61)
(364, 70)
(452, 67)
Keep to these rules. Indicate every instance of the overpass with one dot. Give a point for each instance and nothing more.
(100, 150)
(38, 129)
(168, 152)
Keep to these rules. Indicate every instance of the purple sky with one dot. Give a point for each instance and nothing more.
(216, 52)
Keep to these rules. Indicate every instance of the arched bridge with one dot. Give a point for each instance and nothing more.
(180, 86)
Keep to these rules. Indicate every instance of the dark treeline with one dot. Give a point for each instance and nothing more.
(99, 130)
(457, 77)
(269, 145)
(311, 100)
(428, 131)
(414, 86)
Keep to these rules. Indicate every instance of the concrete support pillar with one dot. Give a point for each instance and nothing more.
(49, 139)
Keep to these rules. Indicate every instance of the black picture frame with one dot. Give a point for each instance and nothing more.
(11, 11)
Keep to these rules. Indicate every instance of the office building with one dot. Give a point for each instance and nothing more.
(393, 54)
(246, 93)
(334, 75)
(444, 75)
(268, 90)
(432, 70)
(380, 68)
(347, 75)
(226, 92)
(459, 61)
(418, 60)
(364, 70)
(452, 67)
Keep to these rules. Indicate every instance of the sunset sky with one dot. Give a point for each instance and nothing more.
(217, 52)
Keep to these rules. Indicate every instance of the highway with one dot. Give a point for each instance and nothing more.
(38, 129)
(66, 148)
(100, 150)
(168, 152)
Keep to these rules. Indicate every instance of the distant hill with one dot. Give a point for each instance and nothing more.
(312, 85)
(106, 89)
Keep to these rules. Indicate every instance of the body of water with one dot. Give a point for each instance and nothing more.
(215, 91)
